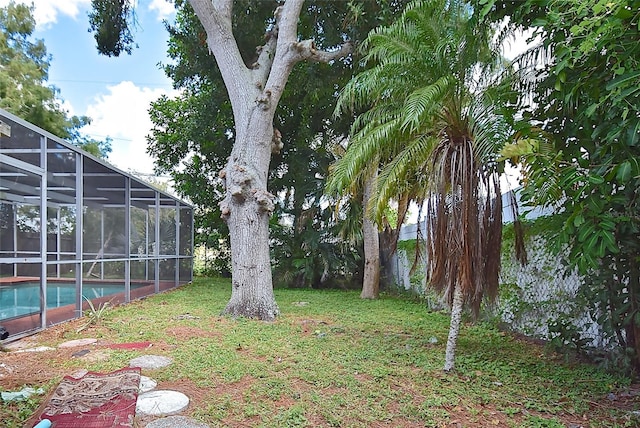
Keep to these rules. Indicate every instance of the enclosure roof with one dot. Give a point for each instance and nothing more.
(103, 183)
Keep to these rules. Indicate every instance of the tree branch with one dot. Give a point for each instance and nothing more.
(224, 8)
(215, 16)
(208, 15)
(278, 63)
(289, 51)
(267, 52)
(288, 17)
(308, 51)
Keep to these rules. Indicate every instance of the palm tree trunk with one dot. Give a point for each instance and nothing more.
(454, 329)
(371, 279)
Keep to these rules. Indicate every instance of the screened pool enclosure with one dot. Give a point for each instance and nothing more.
(74, 229)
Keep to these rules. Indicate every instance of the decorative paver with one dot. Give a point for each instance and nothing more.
(147, 384)
(161, 403)
(78, 342)
(150, 362)
(176, 422)
(81, 353)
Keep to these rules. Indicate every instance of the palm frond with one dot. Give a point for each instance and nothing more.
(390, 45)
(363, 153)
(402, 169)
(488, 130)
(423, 102)
(529, 70)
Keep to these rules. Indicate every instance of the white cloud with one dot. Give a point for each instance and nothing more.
(163, 7)
(46, 11)
(67, 107)
(123, 115)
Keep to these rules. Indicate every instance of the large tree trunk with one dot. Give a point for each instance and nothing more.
(371, 280)
(254, 93)
(454, 329)
(247, 208)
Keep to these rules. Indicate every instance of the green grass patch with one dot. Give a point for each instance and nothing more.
(332, 359)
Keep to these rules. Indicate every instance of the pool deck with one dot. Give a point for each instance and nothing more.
(14, 279)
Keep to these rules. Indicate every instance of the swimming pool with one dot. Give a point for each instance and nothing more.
(23, 298)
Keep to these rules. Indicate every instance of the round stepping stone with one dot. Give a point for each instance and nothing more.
(161, 403)
(176, 422)
(150, 362)
(77, 342)
(147, 384)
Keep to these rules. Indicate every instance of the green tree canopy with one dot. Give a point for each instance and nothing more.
(111, 21)
(100, 149)
(23, 81)
(584, 81)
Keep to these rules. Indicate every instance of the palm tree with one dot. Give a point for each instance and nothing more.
(363, 230)
(429, 122)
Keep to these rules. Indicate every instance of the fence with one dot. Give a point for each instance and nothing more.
(539, 299)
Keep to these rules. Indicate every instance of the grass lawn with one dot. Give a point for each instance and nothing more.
(329, 360)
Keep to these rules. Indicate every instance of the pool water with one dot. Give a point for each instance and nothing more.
(24, 298)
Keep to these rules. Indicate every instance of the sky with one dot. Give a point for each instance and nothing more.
(114, 92)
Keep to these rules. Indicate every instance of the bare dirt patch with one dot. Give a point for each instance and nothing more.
(235, 390)
(186, 333)
(311, 326)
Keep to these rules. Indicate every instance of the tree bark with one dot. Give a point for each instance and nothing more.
(454, 329)
(371, 280)
(247, 208)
